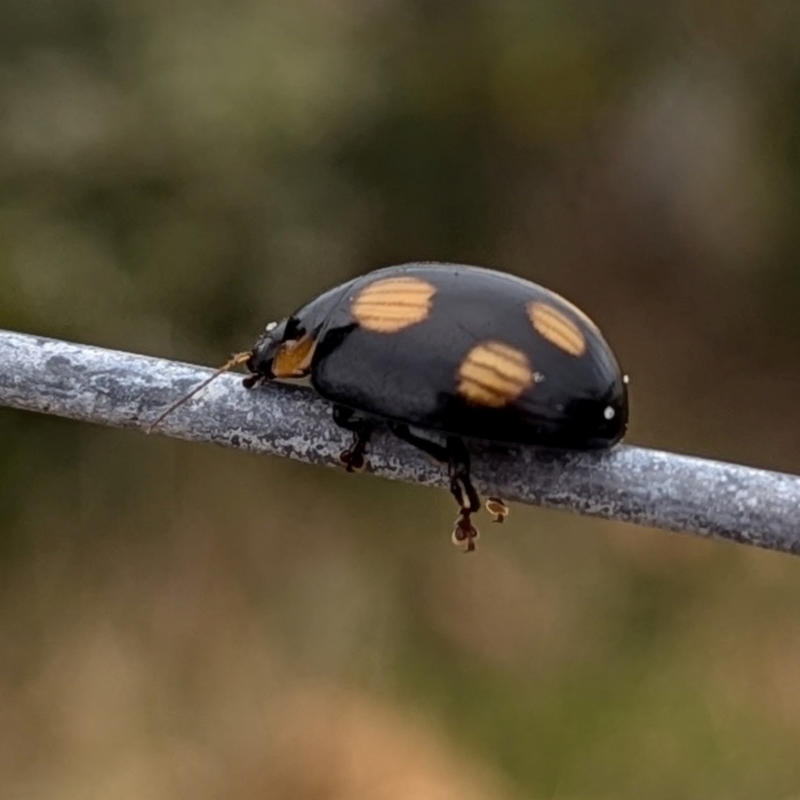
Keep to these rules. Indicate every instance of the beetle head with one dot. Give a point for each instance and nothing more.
(284, 350)
(262, 356)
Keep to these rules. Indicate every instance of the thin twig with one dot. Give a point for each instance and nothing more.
(631, 484)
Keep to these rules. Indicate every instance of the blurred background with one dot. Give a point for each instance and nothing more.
(182, 621)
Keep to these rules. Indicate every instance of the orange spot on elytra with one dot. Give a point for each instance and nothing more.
(493, 374)
(391, 304)
(557, 328)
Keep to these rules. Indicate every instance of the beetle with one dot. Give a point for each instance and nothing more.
(446, 353)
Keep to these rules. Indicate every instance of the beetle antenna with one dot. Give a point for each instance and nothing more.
(235, 360)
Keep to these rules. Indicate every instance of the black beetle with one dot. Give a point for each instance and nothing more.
(443, 352)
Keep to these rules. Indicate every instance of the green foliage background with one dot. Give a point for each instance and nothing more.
(179, 621)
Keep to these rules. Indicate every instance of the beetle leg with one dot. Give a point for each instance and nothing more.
(464, 532)
(434, 450)
(497, 508)
(353, 458)
(252, 380)
(456, 456)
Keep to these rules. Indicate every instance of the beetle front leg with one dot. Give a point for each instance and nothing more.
(354, 457)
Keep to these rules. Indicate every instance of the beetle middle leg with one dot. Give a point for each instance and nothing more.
(353, 458)
(455, 454)
(464, 532)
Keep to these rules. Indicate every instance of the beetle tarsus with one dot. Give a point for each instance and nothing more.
(464, 532)
(354, 457)
(497, 508)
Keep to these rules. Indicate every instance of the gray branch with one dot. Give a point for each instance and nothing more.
(631, 484)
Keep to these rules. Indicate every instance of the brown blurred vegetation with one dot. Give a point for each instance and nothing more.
(177, 621)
